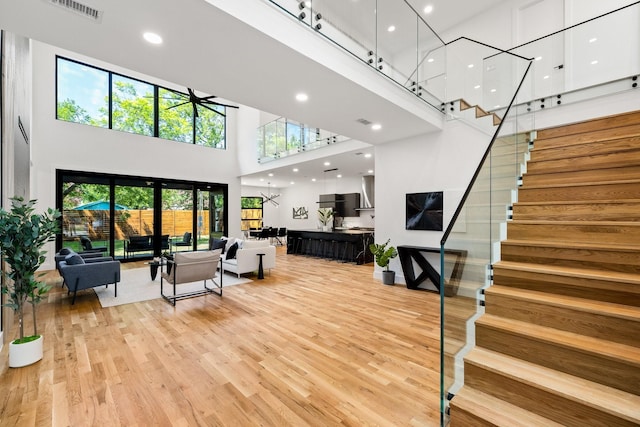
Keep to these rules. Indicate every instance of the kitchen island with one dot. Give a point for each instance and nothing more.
(347, 245)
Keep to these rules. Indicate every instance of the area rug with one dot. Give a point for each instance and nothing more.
(136, 285)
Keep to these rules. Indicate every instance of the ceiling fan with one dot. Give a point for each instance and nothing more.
(195, 101)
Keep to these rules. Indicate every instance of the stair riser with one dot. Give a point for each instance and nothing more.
(618, 191)
(605, 127)
(461, 418)
(620, 234)
(578, 212)
(609, 260)
(602, 161)
(577, 177)
(616, 146)
(597, 325)
(538, 401)
(562, 357)
(600, 290)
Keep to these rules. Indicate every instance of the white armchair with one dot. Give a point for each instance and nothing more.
(188, 267)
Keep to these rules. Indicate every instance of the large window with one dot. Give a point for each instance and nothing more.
(97, 97)
(133, 218)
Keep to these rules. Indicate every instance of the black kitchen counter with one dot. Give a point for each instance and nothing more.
(349, 245)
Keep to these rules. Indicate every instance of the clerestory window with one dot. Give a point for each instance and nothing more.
(93, 96)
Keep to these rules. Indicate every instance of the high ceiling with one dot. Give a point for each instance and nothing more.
(209, 50)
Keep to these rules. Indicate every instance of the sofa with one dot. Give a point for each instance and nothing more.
(246, 259)
(143, 243)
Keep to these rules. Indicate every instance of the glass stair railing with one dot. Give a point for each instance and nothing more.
(611, 41)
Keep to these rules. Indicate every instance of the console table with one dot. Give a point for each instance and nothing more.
(410, 254)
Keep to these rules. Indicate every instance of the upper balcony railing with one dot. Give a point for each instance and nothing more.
(284, 137)
(390, 36)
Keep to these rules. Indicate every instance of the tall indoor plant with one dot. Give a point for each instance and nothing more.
(23, 233)
(383, 256)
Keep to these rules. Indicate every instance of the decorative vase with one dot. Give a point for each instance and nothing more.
(25, 354)
(388, 277)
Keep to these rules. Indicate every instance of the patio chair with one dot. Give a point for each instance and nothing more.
(87, 245)
(186, 240)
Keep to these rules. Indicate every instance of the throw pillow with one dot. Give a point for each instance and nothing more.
(230, 241)
(231, 252)
(218, 244)
(74, 259)
(66, 251)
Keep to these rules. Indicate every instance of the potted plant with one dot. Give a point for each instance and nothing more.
(383, 256)
(23, 233)
(325, 216)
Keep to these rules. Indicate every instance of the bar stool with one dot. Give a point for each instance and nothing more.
(347, 252)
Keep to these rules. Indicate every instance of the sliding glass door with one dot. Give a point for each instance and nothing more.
(133, 218)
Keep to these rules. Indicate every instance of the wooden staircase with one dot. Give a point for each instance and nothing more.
(559, 342)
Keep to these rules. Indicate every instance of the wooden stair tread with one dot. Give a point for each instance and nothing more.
(497, 411)
(585, 305)
(580, 202)
(603, 348)
(578, 184)
(572, 222)
(601, 397)
(573, 245)
(596, 274)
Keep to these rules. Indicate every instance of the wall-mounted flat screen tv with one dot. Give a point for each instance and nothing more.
(424, 211)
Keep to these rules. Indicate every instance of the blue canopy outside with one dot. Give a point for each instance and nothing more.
(100, 205)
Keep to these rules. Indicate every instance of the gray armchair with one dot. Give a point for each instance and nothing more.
(79, 274)
(188, 267)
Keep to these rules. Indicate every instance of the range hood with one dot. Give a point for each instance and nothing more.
(368, 195)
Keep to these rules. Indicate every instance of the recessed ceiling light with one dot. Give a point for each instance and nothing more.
(302, 97)
(271, 174)
(376, 126)
(428, 9)
(261, 179)
(470, 66)
(313, 179)
(338, 176)
(368, 155)
(497, 106)
(370, 171)
(292, 183)
(152, 38)
(593, 39)
(493, 90)
(545, 77)
(594, 62)
(430, 60)
(327, 163)
(391, 28)
(476, 87)
(295, 169)
(538, 58)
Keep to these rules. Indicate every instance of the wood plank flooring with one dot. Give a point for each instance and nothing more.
(317, 343)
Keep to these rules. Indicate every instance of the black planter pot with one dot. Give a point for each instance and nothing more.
(388, 277)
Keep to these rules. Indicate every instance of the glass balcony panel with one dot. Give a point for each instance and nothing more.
(349, 24)
(397, 41)
(431, 67)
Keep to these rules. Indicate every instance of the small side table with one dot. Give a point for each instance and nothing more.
(260, 268)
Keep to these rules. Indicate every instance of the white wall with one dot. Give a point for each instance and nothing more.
(444, 161)
(62, 145)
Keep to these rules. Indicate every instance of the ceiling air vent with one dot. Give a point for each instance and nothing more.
(364, 122)
(79, 8)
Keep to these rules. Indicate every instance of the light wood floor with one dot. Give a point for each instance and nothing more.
(316, 343)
